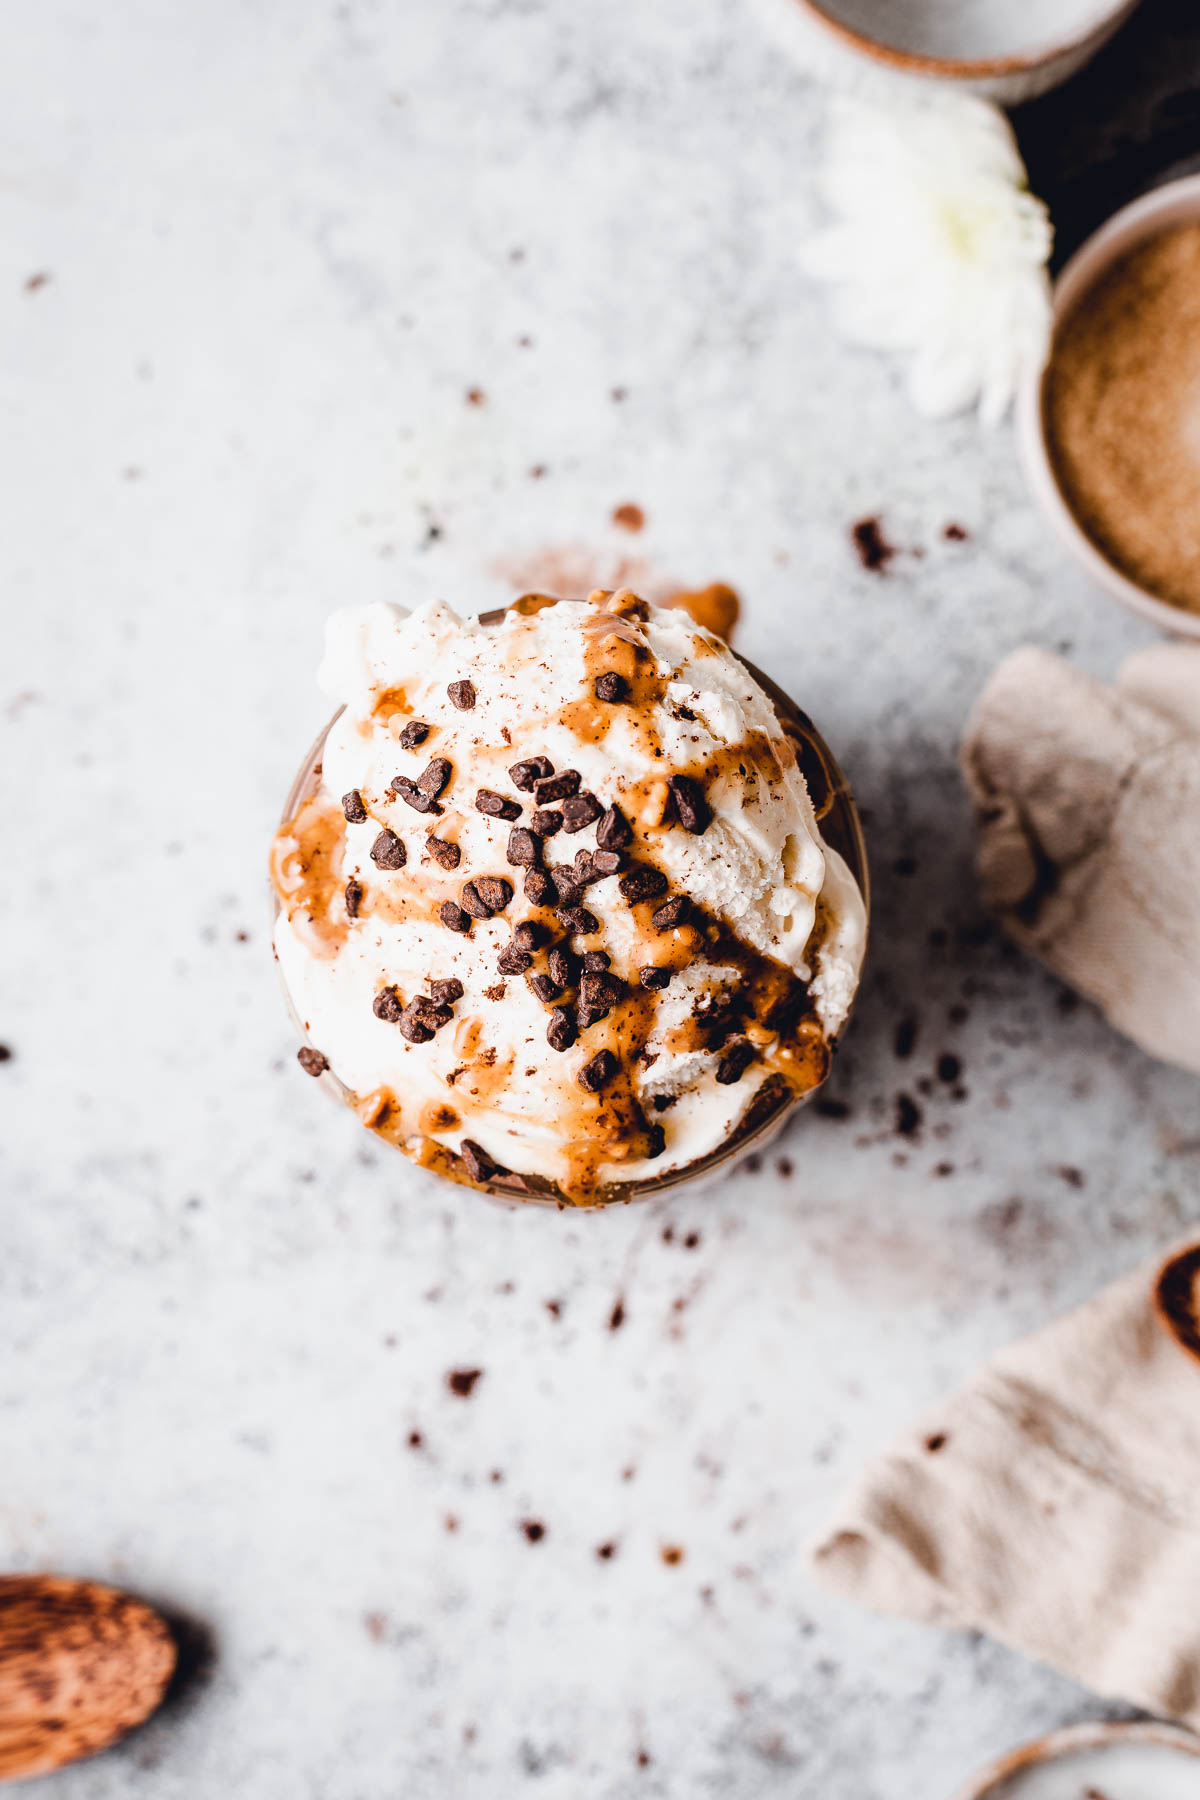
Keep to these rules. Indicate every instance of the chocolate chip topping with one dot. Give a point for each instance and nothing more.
(387, 852)
(567, 884)
(412, 1024)
(650, 977)
(448, 855)
(598, 1072)
(544, 987)
(579, 810)
(388, 1005)
(734, 1063)
(556, 787)
(561, 1029)
(462, 694)
(538, 887)
(528, 935)
(512, 960)
(597, 959)
(611, 686)
(313, 1062)
(599, 991)
(562, 966)
(453, 917)
(546, 822)
(577, 919)
(495, 891)
(472, 901)
(354, 896)
(673, 913)
(614, 831)
(495, 805)
(414, 733)
(656, 1140)
(480, 1166)
(352, 806)
(693, 810)
(524, 850)
(434, 776)
(643, 883)
(411, 794)
(606, 862)
(534, 769)
(445, 993)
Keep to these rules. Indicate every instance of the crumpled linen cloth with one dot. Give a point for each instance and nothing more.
(1087, 799)
(1053, 1502)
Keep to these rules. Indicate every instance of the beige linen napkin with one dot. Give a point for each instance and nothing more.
(1088, 804)
(1053, 1502)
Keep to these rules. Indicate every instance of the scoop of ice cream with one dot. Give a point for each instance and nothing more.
(558, 904)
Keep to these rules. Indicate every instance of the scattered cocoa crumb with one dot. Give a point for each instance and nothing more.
(451, 1522)
(1072, 1176)
(616, 1317)
(949, 1067)
(554, 1308)
(935, 1442)
(673, 1554)
(462, 1381)
(534, 1530)
(537, 472)
(618, 394)
(495, 993)
(908, 1116)
(943, 1169)
(34, 282)
(415, 1440)
(606, 1552)
(874, 551)
(831, 1109)
(785, 1167)
(643, 1759)
(629, 517)
(496, 1477)
(905, 866)
(475, 397)
(905, 1039)
(955, 534)
(376, 1624)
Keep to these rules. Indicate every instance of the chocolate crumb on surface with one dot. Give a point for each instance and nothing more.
(874, 551)
(954, 533)
(949, 1067)
(545, 822)
(313, 1062)
(354, 896)
(496, 806)
(533, 769)
(462, 694)
(388, 1005)
(462, 1381)
(908, 1115)
(414, 796)
(629, 516)
(524, 849)
(352, 806)
(534, 1530)
(734, 1063)
(446, 992)
(513, 961)
(453, 917)
(557, 787)
(905, 1039)
(562, 966)
(616, 1319)
(472, 901)
(579, 810)
(650, 977)
(545, 987)
(495, 891)
(538, 887)
(414, 733)
(388, 852)
(597, 1072)
(597, 959)
(434, 776)
(673, 913)
(643, 883)
(606, 862)
(691, 807)
(447, 855)
(528, 935)
(578, 920)
(611, 687)
(614, 831)
(561, 1030)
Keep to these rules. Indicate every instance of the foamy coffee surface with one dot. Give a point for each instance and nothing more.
(559, 902)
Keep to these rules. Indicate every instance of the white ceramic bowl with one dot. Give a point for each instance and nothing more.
(1007, 49)
(1150, 1760)
(1176, 203)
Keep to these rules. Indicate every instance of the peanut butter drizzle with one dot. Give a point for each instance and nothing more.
(306, 873)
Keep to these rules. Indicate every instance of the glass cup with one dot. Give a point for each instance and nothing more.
(775, 1100)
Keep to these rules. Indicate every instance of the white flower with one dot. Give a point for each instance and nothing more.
(939, 249)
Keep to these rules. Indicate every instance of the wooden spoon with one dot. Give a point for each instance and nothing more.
(80, 1665)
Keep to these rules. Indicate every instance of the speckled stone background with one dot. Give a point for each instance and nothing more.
(255, 257)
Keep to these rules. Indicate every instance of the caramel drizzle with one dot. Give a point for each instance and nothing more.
(306, 868)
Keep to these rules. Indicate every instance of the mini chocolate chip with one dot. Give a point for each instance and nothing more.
(614, 831)
(735, 1062)
(579, 810)
(611, 686)
(472, 901)
(673, 913)
(412, 1024)
(434, 776)
(597, 959)
(312, 1061)
(448, 855)
(352, 806)
(562, 966)
(663, 1102)
(650, 977)
(388, 1005)
(598, 988)
(387, 852)
(445, 993)
(560, 1029)
(657, 1140)
(495, 891)
(556, 787)
(453, 917)
(524, 850)
(589, 1015)
(480, 1166)
(495, 805)
(462, 694)
(528, 935)
(411, 794)
(538, 887)
(533, 769)
(584, 869)
(513, 961)
(694, 812)
(354, 896)
(414, 733)
(606, 862)
(577, 919)
(598, 1072)
(544, 987)
(643, 883)
(434, 1016)
(546, 821)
